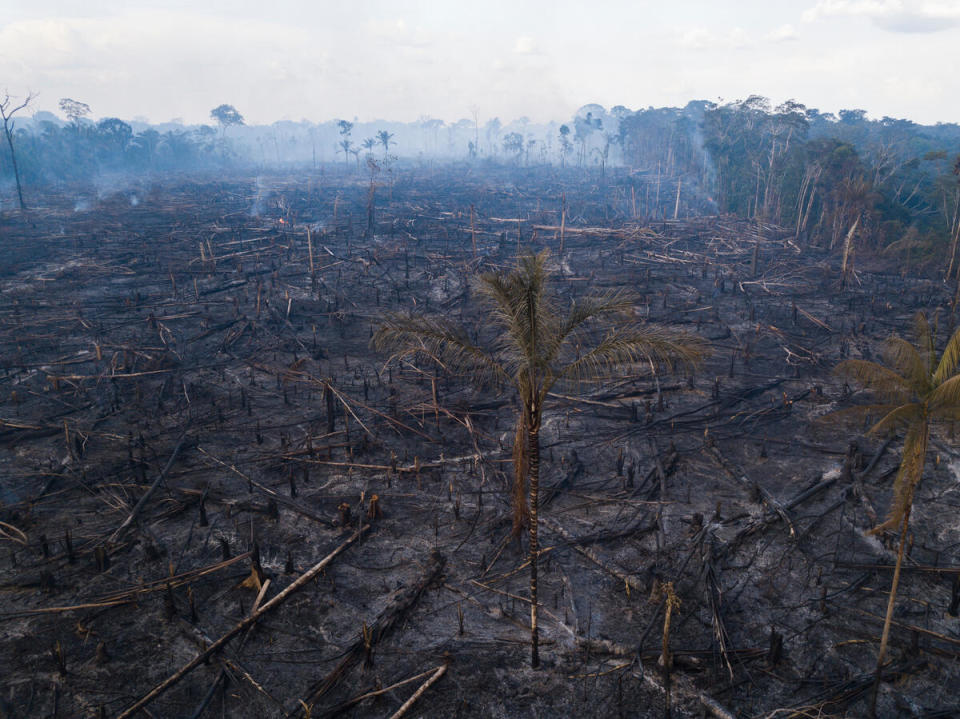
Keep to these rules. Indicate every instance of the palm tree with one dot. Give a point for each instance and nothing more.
(346, 144)
(386, 139)
(529, 345)
(915, 389)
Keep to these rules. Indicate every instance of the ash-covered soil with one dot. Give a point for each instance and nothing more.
(199, 343)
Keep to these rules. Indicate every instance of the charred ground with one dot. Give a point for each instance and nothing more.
(196, 340)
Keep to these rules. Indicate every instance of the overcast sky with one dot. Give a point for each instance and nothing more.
(400, 59)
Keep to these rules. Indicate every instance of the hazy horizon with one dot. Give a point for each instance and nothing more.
(399, 61)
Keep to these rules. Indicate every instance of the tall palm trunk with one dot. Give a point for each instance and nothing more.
(888, 619)
(533, 467)
(921, 451)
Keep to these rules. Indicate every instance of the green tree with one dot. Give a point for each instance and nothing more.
(914, 389)
(529, 345)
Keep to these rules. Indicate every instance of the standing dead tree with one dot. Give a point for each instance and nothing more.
(8, 109)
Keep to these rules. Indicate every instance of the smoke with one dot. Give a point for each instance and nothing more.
(708, 187)
(259, 206)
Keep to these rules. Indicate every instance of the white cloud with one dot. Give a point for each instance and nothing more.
(701, 38)
(526, 45)
(402, 60)
(784, 33)
(398, 33)
(908, 16)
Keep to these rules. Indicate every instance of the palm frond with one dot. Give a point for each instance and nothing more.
(537, 309)
(533, 268)
(876, 377)
(918, 389)
(898, 418)
(908, 476)
(944, 396)
(528, 343)
(949, 413)
(580, 313)
(630, 345)
(518, 305)
(500, 291)
(444, 343)
(948, 360)
(857, 413)
(925, 342)
(907, 361)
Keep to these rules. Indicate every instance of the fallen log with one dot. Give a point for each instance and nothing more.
(772, 517)
(417, 694)
(667, 466)
(929, 568)
(766, 499)
(131, 595)
(248, 621)
(138, 507)
(629, 581)
(340, 708)
(401, 603)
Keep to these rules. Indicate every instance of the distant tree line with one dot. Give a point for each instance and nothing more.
(894, 183)
(80, 150)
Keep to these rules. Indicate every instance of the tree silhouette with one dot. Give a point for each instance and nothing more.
(529, 346)
(115, 135)
(226, 115)
(345, 128)
(513, 144)
(385, 138)
(915, 389)
(7, 110)
(565, 144)
(74, 110)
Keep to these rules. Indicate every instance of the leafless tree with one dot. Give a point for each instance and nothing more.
(9, 108)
